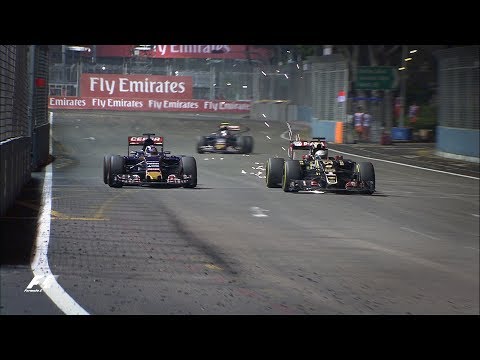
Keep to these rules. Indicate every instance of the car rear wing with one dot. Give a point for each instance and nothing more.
(139, 140)
(300, 145)
(319, 140)
(305, 145)
(233, 127)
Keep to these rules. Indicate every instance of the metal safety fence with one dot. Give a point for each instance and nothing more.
(15, 141)
(458, 95)
(14, 86)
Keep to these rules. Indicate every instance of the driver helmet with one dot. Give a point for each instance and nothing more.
(223, 126)
(321, 154)
(151, 150)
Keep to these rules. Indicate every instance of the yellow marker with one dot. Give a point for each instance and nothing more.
(213, 267)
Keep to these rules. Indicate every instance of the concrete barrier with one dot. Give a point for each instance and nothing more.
(462, 144)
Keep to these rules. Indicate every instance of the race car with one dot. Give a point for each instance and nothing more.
(227, 139)
(309, 168)
(151, 165)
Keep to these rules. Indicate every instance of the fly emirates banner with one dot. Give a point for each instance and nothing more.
(141, 93)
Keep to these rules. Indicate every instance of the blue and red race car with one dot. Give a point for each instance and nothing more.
(227, 139)
(151, 165)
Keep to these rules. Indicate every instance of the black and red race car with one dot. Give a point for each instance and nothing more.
(309, 168)
(142, 167)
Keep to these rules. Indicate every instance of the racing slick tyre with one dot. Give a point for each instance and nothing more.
(242, 144)
(366, 173)
(117, 167)
(291, 171)
(202, 141)
(189, 167)
(106, 164)
(248, 144)
(274, 173)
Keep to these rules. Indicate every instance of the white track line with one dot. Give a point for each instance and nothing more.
(39, 264)
(393, 162)
(412, 166)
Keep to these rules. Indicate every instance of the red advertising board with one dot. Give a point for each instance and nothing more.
(136, 86)
(186, 51)
(147, 104)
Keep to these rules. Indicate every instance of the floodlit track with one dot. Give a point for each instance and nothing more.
(233, 246)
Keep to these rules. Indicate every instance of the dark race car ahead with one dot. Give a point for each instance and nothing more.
(227, 139)
(309, 168)
(151, 165)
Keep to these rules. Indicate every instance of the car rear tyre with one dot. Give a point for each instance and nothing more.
(274, 173)
(202, 141)
(242, 144)
(248, 144)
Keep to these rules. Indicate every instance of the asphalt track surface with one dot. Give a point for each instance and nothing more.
(233, 246)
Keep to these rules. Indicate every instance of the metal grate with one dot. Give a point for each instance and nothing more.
(458, 83)
(13, 92)
(329, 76)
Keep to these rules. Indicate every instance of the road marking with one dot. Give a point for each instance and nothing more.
(78, 218)
(412, 166)
(476, 215)
(411, 257)
(99, 214)
(258, 212)
(419, 233)
(392, 162)
(39, 263)
(283, 136)
(213, 267)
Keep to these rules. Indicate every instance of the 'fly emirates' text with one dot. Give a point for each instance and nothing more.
(125, 86)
